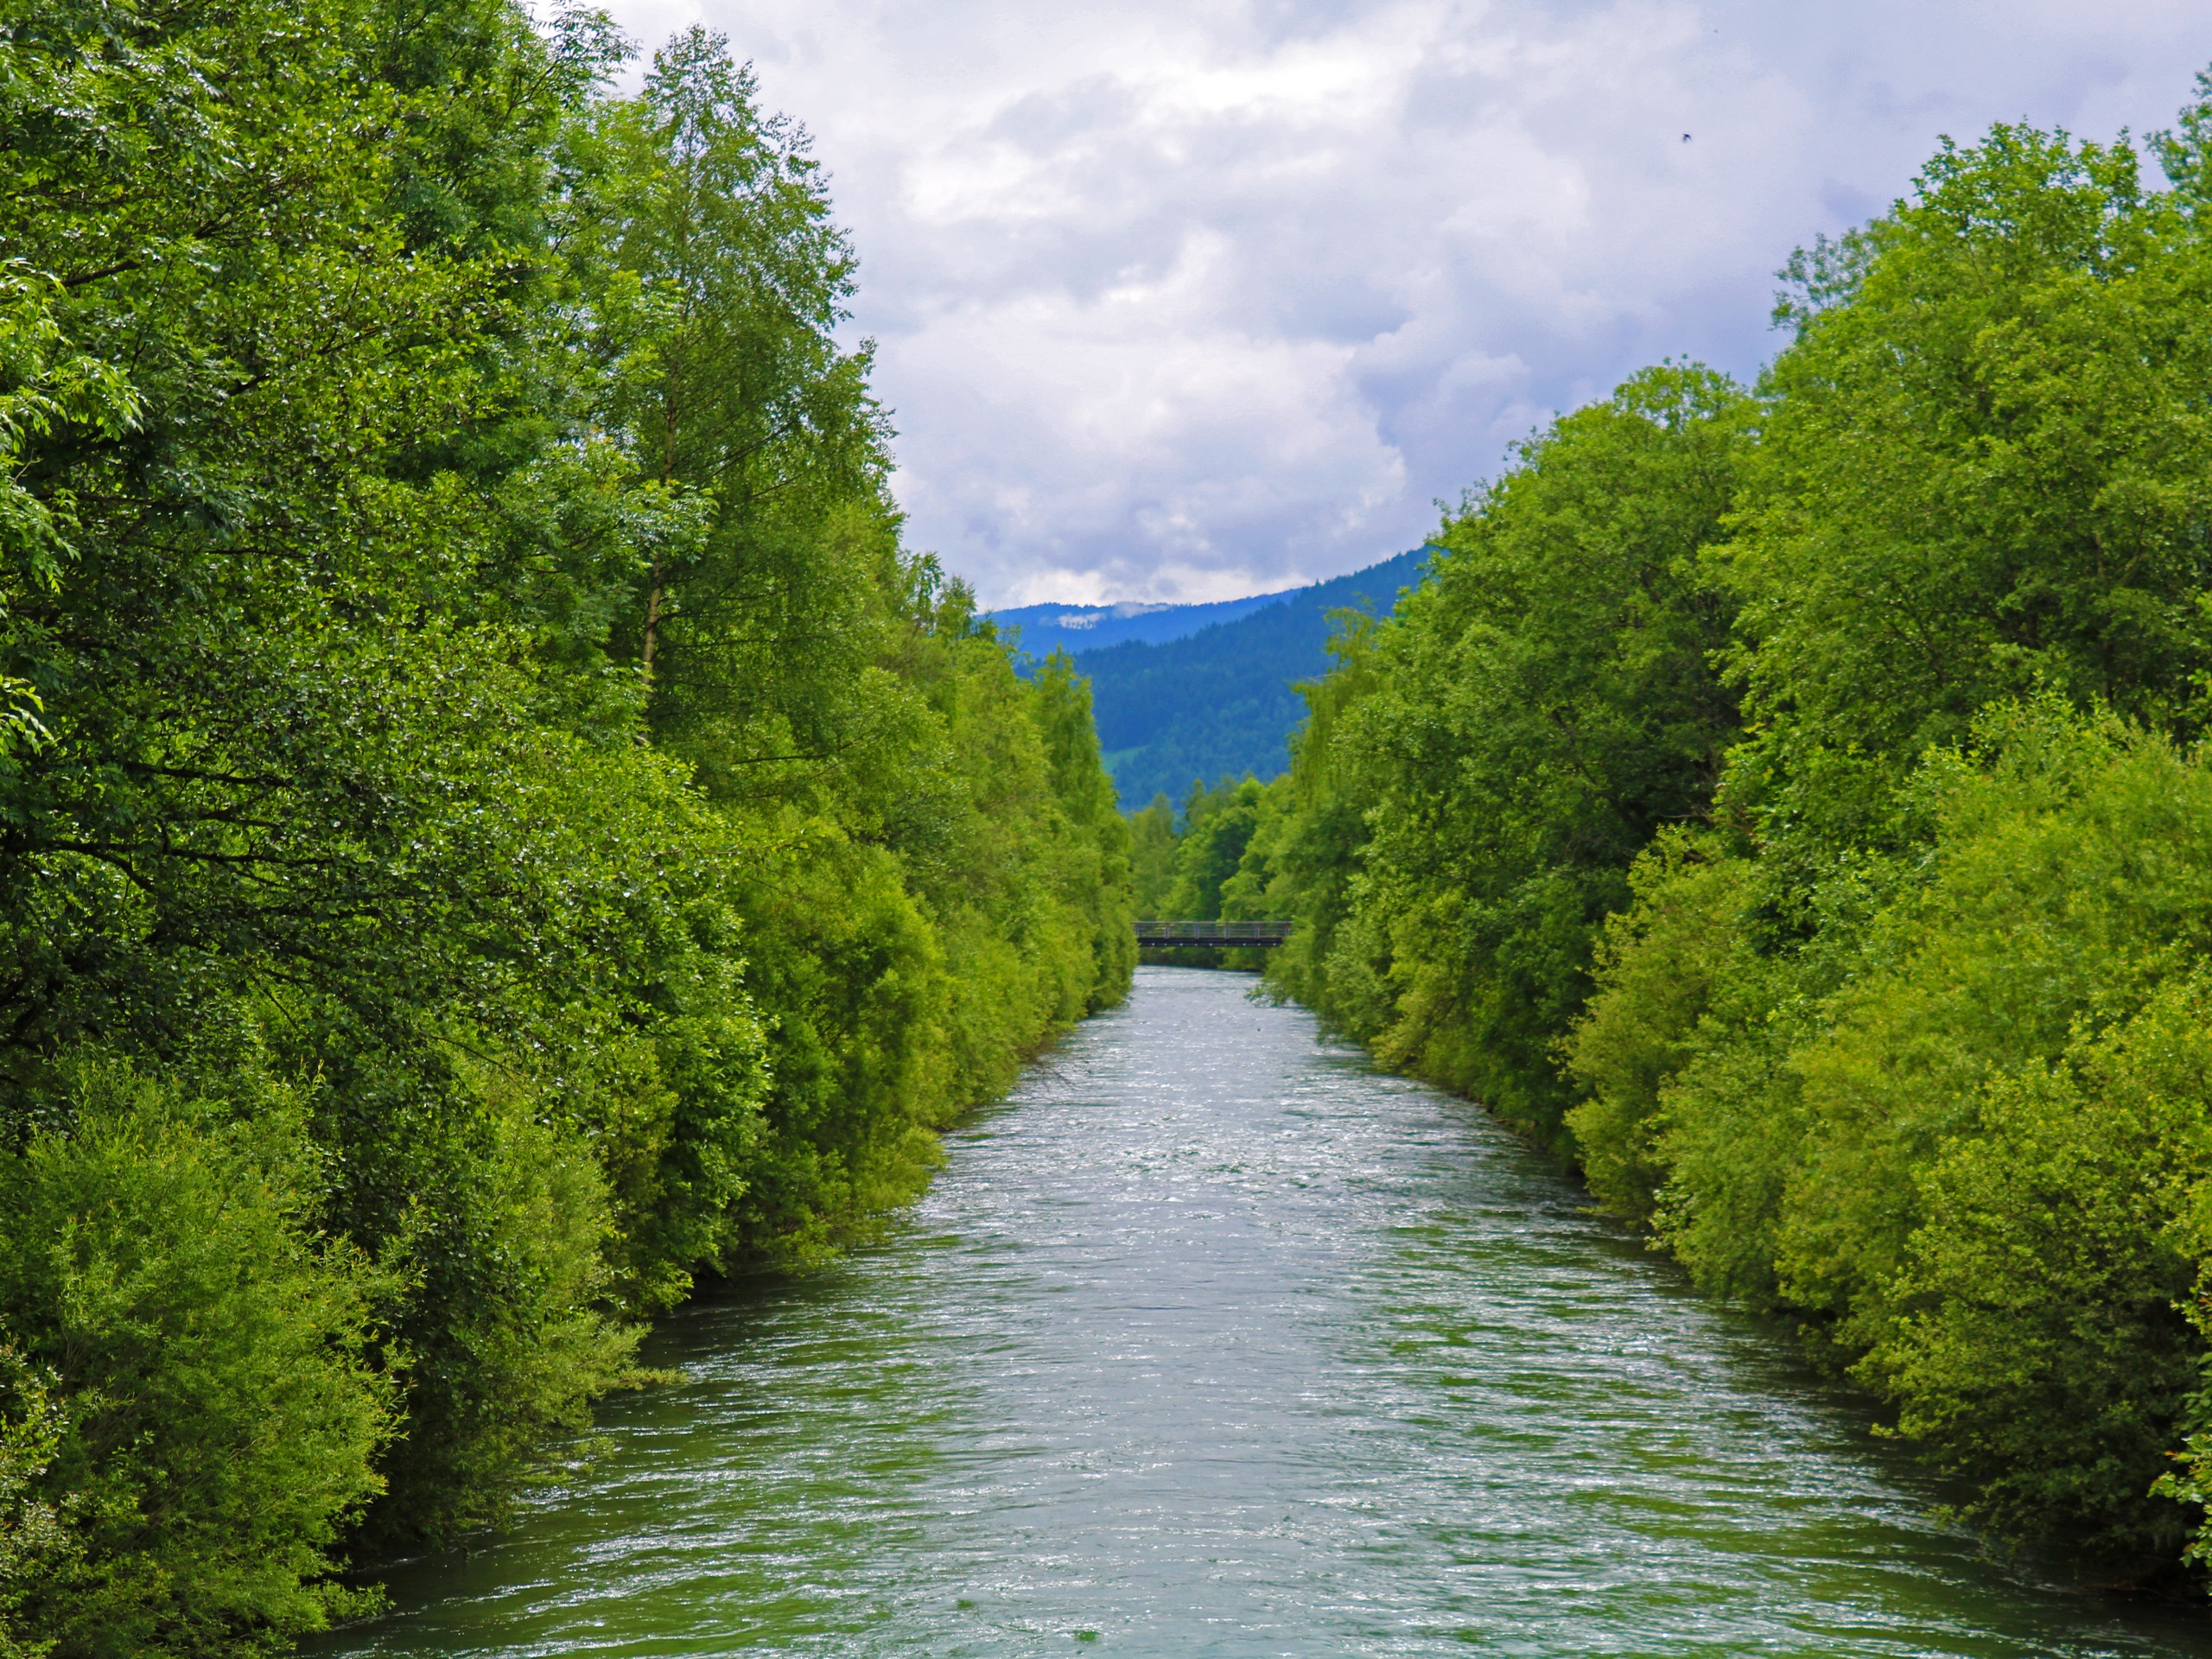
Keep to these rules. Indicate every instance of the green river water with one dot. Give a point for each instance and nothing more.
(1214, 1341)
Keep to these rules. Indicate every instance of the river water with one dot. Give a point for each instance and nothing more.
(1213, 1341)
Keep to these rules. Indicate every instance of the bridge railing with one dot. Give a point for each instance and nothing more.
(1155, 933)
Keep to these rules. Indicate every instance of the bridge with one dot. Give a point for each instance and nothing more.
(1242, 935)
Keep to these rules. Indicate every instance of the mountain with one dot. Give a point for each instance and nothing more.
(1220, 699)
(1047, 628)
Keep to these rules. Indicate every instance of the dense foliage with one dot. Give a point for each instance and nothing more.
(1793, 801)
(493, 822)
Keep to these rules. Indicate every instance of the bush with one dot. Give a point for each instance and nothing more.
(1691, 1124)
(1661, 965)
(507, 1329)
(2040, 1348)
(36, 1542)
(219, 1416)
(2071, 872)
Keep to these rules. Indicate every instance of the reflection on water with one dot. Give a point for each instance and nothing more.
(1214, 1341)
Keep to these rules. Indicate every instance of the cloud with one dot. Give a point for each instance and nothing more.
(1178, 301)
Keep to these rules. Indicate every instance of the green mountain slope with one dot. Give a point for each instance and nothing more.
(1222, 699)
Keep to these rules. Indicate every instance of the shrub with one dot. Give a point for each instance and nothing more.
(219, 1417)
(2040, 1350)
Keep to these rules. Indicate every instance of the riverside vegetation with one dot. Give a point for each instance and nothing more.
(493, 822)
(1793, 801)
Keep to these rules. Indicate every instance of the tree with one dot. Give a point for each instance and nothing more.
(1526, 721)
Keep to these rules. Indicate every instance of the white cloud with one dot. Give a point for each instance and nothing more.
(1186, 299)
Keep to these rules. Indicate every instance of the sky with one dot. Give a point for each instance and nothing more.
(1181, 299)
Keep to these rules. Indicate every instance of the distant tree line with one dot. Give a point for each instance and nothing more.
(493, 823)
(1793, 801)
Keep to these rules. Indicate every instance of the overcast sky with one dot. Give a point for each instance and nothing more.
(1188, 299)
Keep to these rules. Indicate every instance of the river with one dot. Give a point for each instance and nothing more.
(1212, 1340)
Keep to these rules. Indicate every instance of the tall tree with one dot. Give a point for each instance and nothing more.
(721, 282)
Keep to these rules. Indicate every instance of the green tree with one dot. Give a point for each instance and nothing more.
(1152, 856)
(717, 279)
(1529, 716)
(1981, 472)
(1218, 827)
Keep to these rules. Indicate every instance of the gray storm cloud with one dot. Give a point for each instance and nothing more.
(1183, 301)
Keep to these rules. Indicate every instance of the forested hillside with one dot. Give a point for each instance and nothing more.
(1793, 800)
(1223, 700)
(496, 824)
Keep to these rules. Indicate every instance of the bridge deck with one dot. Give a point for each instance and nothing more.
(1241, 934)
